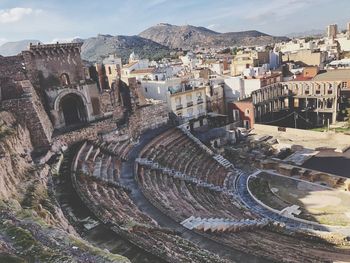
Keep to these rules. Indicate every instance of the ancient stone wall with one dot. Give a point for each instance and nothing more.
(52, 62)
(148, 117)
(89, 133)
(11, 70)
(30, 112)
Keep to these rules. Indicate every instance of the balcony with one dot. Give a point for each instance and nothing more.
(200, 101)
(190, 104)
(179, 107)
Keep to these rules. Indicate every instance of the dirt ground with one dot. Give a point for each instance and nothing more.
(317, 203)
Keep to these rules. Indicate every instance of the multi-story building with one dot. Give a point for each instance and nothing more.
(247, 59)
(306, 57)
(112, 66)
(243, 86)
(189, 104)
(339, 75)
(314, 102)
(295, 45)
(332, 31)
(158, 89)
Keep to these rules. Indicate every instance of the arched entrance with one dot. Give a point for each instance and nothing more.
(73, 109)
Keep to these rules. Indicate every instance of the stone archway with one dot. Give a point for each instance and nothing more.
(70, 107)
(73, 109)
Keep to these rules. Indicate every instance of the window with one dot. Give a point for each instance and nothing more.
(344, 85)
(330, 90)
(307, 90)
(235, 114)
(246, 124)
(145, 89)
(109, 70)
(158, 90)
(200, 109)
(318, 90)
(247, 112)
(64, 78)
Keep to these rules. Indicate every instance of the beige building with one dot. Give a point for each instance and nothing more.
(307, 57)
(247, 59)
(338, 75)
(113, 65)
(189, 104)
(332, 31)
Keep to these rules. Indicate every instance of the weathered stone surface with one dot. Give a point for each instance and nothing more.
(148, 117)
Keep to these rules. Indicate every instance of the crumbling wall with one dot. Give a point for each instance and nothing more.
(148, 117)
(15, 160)
(89, 133)
(30, 112)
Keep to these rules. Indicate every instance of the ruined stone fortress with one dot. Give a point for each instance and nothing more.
(49, 89)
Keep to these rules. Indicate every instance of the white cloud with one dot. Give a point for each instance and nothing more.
(15, 14)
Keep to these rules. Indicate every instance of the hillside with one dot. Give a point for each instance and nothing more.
(97, 48)
(188, 36)
(13, 48)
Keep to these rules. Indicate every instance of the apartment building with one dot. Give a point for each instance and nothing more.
(189, 104)
(247, 59)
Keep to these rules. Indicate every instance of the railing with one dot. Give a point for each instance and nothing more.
(200, 101)
(190, 103)
(179, 107)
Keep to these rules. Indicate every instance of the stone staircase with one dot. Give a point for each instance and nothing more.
(217, 157)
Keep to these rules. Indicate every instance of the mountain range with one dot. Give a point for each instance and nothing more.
(156, 42)
(187, 37)
(13, 48)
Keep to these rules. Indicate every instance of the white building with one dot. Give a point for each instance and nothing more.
(158, 90)
(275, 59)
(295, 45)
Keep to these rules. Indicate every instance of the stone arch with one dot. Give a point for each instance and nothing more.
(71, 107)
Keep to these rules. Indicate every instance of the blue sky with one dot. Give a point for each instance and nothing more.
(48, 20)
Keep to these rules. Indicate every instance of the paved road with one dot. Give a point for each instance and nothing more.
(128, 179)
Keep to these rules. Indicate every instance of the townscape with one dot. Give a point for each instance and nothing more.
(209, 147)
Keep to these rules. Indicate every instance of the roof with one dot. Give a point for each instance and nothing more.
(130, 64)
(333, 75)
(143, 71)
(302, 78)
